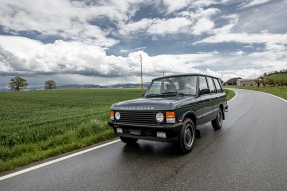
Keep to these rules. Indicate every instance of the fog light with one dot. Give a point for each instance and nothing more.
(119, 130)
(161, 134)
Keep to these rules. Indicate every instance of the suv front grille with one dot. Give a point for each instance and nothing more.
(141, 117)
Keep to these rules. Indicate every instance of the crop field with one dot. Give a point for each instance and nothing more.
(35, 125)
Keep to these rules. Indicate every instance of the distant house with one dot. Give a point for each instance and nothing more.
(231, 82)
(246, 82)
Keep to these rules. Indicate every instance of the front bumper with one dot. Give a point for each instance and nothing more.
(148, 132)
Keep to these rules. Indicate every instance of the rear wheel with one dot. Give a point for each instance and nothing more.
(217, 122)
(187, 136)
(128, 140)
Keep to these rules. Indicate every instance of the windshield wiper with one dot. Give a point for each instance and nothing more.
(172, 93)
(152, 95)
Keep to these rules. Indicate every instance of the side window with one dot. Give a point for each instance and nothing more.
(218, 87)
(211, 85)
(202, 83)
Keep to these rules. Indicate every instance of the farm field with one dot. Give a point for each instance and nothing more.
(278, 91)
(35, 125)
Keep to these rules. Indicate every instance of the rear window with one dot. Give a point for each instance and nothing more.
(218, 87)
(211, 85)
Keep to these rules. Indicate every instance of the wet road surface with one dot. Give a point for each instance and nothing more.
(248, 153)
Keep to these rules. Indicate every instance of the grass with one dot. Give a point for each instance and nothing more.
(278, 91)
(278, 76)
(35, 125)
(229, 93)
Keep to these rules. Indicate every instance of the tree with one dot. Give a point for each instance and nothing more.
(17, 84)
(258, 82)
(270, 81)
(50, 84)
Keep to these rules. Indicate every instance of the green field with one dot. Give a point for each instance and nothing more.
(278, 76)
(35, 125)
(278, 91)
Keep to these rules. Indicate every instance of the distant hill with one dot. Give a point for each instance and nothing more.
(278, 76)
(77, 86)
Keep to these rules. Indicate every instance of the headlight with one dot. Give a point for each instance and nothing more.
(117, 115)
(159, 117)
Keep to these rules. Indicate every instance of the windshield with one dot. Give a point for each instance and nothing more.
(185, 85)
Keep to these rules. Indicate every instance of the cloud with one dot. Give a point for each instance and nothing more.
(202, 25)
(79, 59)
(254, 3)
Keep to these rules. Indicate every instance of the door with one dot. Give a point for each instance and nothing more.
(205, 103)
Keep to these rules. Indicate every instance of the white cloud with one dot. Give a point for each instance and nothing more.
(78, 59)
(254, 3)
(202, 25)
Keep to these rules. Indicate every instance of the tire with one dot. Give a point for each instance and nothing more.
(187, 136)
(217, 122)
(128, 140)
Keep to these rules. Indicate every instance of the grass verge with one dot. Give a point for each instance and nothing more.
(229, 94)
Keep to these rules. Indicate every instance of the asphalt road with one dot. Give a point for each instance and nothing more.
(248, 153)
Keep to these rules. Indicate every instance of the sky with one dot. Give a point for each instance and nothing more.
(100, 41)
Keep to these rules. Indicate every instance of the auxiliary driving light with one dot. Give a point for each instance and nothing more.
(119, 130)
(161, 134)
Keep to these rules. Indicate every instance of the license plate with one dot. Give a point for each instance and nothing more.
(135, 132)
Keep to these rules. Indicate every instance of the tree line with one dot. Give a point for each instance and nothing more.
(269, 81)
(18, 83)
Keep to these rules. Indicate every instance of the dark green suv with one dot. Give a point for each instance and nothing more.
(171, 110)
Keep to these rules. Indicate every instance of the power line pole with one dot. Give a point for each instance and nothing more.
(141, 72)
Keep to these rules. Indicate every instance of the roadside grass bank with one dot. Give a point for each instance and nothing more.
(278, 91)
(229, 94)
(35, 125)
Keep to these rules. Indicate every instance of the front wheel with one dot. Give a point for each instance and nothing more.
(128, 140)
(217, 122)
(187, 136)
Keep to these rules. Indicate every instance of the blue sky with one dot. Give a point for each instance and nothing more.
(100, 42)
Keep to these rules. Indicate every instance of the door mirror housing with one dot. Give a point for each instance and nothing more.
(204, 91)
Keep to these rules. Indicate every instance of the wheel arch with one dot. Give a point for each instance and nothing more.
(191, 116)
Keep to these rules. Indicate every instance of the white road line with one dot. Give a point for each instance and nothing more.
(57, 160)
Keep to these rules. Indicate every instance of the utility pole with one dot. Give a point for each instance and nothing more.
(141, 72)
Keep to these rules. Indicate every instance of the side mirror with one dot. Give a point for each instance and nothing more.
(204, 91)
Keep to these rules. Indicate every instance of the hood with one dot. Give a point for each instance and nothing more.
(169, 103)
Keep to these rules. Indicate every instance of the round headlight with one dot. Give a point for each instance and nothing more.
(117, 115)
(159, 117)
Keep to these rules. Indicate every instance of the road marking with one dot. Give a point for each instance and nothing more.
(57, 160)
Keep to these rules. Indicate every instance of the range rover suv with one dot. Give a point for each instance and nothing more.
(171, 110)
